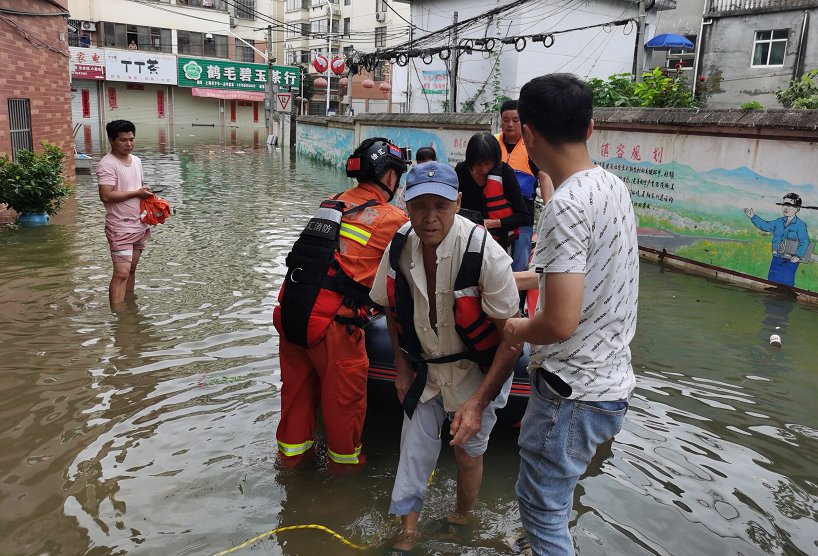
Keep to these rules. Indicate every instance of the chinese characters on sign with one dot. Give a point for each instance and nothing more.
(435, 82)
(140, 67)
(649, 186)
(226, 74)
(287, 77)
(87, 63)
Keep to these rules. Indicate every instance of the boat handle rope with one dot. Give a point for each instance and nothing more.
(293, 528)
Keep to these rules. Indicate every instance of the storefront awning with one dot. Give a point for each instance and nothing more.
(228, 95)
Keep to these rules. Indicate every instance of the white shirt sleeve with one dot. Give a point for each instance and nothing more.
(378, 292)
(500, 297)
(563, 238)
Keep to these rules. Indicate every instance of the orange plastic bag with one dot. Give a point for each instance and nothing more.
(154, 210)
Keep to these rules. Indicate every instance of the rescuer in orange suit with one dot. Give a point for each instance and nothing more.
(323, 303)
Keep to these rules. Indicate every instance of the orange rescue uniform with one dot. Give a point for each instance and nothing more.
(334, 372)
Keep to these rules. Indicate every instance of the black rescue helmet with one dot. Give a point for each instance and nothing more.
(374, 157)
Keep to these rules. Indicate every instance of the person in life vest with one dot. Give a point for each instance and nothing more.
(321, 305)
(530, 178)
(449, 289)
(491, 194)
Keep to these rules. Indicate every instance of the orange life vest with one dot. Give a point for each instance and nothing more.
(154, 210)
(518, 160)
(318, 282)
(497, 206)
(476, 329)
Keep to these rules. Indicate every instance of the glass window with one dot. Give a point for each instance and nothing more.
(244, 53)
(245, 9)
(380, 37)
(346, 26)
(770, 47)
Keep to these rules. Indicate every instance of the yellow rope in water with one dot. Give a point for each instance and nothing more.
(293, 528)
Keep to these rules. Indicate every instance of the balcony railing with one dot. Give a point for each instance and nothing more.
(755, 6)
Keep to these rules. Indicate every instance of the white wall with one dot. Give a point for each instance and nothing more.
(597, 52)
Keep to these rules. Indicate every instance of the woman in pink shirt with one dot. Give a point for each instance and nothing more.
(119, 175)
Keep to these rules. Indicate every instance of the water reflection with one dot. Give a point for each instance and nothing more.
(151, 431)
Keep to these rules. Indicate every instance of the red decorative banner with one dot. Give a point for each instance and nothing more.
(160, 104)
(232, 110)
(112, 98)
(86, 103)
(255, 112)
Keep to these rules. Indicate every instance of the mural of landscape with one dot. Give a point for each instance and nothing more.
(695, 195)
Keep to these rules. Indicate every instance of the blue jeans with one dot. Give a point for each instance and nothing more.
(522, 249)
(558, 438)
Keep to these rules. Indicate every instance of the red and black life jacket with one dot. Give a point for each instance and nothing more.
(476, 329)
(496, 204)
(316, 284)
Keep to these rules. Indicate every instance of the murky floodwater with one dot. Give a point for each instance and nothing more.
(152, 431)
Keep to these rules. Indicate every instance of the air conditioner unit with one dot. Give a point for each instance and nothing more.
(88, 26)
(233, 22)
(380, 16)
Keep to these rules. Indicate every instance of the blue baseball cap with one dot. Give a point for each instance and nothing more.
(431, 178)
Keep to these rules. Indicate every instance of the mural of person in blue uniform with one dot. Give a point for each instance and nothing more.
(789, 242)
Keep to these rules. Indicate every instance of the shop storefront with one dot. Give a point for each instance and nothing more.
(87, 75)
(138, 87)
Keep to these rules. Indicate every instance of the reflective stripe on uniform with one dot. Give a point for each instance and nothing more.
(467, 292)
(294, 449)
(346, 459)
(355, 233)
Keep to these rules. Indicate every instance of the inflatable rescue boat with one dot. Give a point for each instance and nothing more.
(381, 382)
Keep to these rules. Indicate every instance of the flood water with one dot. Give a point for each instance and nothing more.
(152, 431)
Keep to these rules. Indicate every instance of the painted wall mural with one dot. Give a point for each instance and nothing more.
(329, 144)
(748, 205)
(450, 144)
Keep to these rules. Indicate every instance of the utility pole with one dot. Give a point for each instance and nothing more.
(329, 52)
(268, 97)
(455, 56)
(640, 42)
(409, 76)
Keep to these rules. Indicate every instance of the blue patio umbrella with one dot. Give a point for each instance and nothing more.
(668, 40)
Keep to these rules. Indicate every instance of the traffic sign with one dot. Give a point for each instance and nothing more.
(283, 102)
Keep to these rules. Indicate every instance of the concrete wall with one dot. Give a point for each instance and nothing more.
(597, 52)
(728, 49)
(691, 174)
(332, 140)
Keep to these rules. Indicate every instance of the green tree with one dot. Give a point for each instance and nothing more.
(656, 90)
(801, 93)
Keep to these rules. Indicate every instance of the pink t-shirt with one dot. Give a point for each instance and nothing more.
(122, 217)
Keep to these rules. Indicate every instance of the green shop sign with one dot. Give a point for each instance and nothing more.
(227, 74)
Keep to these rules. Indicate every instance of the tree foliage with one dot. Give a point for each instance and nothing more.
(656, 90)
(801, 92)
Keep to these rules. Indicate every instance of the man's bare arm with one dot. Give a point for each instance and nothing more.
(468, 419)
(560, 315)
(108, 195)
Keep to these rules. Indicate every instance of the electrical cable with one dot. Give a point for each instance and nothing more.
(386, 3)
(37, 43)
(6, 11)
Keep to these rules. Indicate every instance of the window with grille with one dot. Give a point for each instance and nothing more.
(245, 9)
(244, 53)
(20, 126)
(380, 37)
(770, 47)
